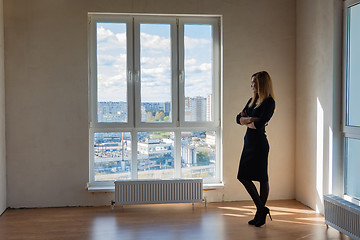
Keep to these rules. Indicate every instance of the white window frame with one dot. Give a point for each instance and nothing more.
(134, 124)
(349, 131)
(93, 20)
(174, 76)
(216, 72)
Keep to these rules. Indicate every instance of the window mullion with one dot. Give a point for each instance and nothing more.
(177, 157)
(134, 79)
(134, 160)
(91, 154)
(180, 95)
(181, 75)
(175, 97)
(93, 73)
(136, 50)
(216, 73)
(130, 67)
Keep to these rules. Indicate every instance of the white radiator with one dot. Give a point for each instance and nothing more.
(342, 215)
(158, 191)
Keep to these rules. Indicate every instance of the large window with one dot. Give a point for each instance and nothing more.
(154, 98)
(352, 99)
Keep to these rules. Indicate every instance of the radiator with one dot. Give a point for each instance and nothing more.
(128, 192)
(342, 215)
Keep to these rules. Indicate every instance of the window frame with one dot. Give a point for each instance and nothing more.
(137, 71)
(215, 75)
(134, 124)
(93, 96)
(349, 131)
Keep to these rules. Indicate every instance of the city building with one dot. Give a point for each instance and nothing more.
(209, 108)
(188, 154)
(112, 111)
(195, 109)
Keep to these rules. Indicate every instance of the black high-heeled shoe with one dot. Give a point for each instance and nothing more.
(262, 217)
(256, 218)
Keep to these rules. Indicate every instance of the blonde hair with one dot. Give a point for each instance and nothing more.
(264, 86)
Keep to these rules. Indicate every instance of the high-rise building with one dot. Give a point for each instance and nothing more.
(198, 109)
(209, 108)
(188, 153)
(187, 109)
(143, 114)
(195, 109)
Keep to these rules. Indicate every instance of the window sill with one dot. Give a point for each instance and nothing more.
(352, 200)
(207, 187)
(101, 189)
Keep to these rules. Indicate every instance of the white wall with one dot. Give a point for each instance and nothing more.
(2, 117)
(318, 102)
(46, 92)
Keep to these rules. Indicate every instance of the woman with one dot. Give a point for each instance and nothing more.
(254, 158)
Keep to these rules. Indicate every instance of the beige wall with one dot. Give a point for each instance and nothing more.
(318, 89)
(47, 92)
(2, 117)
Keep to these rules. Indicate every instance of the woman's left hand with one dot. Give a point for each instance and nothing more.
(254, 119)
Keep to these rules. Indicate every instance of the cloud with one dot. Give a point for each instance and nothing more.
(163, 59)
(109, 41)
(154, 41)
(195, 67)
(191, 43)
(198, 86)
(106, 58)
(190, 61)
(103, 33)
(112, 94)
(114, 90)
(121, 37)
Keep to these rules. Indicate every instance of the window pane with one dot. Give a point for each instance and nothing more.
(353, 66)
(198, 56)
(111, 72)
(112, 156)
(352, 186)
(155, 61)
(155, 155)
(198, 154)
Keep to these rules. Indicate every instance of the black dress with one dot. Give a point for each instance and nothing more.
(254, 158)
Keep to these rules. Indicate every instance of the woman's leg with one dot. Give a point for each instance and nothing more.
(251, 189)
(264, 192)
(261, 216)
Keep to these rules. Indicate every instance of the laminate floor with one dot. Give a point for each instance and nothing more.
(217, 221)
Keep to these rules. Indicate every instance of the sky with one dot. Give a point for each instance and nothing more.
(354, 88)
(155, 61)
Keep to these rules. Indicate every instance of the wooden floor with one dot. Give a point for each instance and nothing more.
(218, 221)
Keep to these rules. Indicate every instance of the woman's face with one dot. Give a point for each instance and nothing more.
(254, 86)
